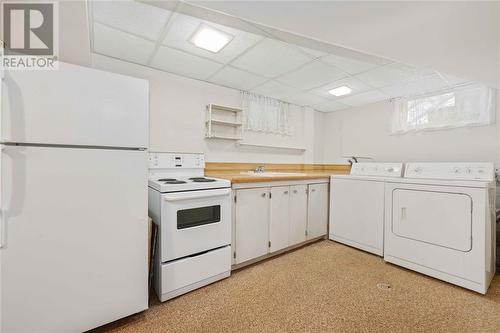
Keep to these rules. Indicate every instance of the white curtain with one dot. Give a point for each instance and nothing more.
(469, 105)
(264, 114)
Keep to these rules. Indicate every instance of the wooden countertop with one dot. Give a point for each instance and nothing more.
(243, 178)
(235, 172)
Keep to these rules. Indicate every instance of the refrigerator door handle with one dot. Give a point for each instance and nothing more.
(2, 75)
(2, 213)
(12, 198)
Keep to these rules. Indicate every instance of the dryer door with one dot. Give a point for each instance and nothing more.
(438, 218)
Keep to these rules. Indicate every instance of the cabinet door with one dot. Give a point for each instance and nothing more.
(251, 224)
(280, 217)
(298, 214)
(317, 210)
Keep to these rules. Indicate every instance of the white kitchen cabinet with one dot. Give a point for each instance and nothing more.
(272, 216)
(251, 224)
(317, 210)
(280, 216)
(298, 214)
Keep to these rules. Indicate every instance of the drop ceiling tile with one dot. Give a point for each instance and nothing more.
(305, 99)
(183, 27)
(185, 64)
(453, 80)
(121, 45)
(331, 106)
(236, 78)
(356, 85)
(311, 75)
(353, 65)
(389, 75)
(416, 87)
(275, 90)
(367, 97)
(312, 52)
(131, 16)
(271, 58)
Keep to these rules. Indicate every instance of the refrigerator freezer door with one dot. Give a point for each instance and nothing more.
(74, 105)
(76, 235)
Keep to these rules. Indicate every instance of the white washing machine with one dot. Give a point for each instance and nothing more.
(357, 205)
(440, 221)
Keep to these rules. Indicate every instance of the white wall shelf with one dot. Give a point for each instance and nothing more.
(226, 123)
(223, 122)
(224, 137)
(216, 107)
(271, 146)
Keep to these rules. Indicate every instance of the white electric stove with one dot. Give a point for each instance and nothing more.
(193, 215)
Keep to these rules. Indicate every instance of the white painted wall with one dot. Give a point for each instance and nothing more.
(458, 37)
(366, 131)
(74, 42)
(177, 119)
(319, 137)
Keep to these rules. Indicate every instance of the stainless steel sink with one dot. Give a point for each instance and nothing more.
(272, 174)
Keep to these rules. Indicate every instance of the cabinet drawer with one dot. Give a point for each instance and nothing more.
(184, 272)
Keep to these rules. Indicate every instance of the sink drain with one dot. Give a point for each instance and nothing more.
(384, 286)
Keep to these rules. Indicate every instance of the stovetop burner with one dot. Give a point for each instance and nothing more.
(175, 182)
(178, 183)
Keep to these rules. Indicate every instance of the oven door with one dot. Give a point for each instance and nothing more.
(194, 221)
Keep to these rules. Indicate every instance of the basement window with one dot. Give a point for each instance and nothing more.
(469, 105)
(265, 114)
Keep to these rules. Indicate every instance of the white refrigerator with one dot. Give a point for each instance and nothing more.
(73, 185)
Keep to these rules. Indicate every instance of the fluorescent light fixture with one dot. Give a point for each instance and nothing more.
(210, 39)
(340, 91)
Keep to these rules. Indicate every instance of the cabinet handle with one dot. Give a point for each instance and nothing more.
(313, 190)
(263, 195)
(294, 191)
(286, 192)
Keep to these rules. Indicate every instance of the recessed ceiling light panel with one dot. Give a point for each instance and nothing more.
(340, 91)
(210, 39)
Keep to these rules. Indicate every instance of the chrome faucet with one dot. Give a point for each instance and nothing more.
(354, 159)
(259, 169)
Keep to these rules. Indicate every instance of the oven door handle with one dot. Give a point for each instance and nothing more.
(180, 196)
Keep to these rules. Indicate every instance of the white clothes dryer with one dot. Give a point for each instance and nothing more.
(440, 221)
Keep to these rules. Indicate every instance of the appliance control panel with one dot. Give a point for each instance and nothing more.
(377, 169)
(451, 170)
(176, 161)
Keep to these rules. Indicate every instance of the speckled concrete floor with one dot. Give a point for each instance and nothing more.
(322, 287)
